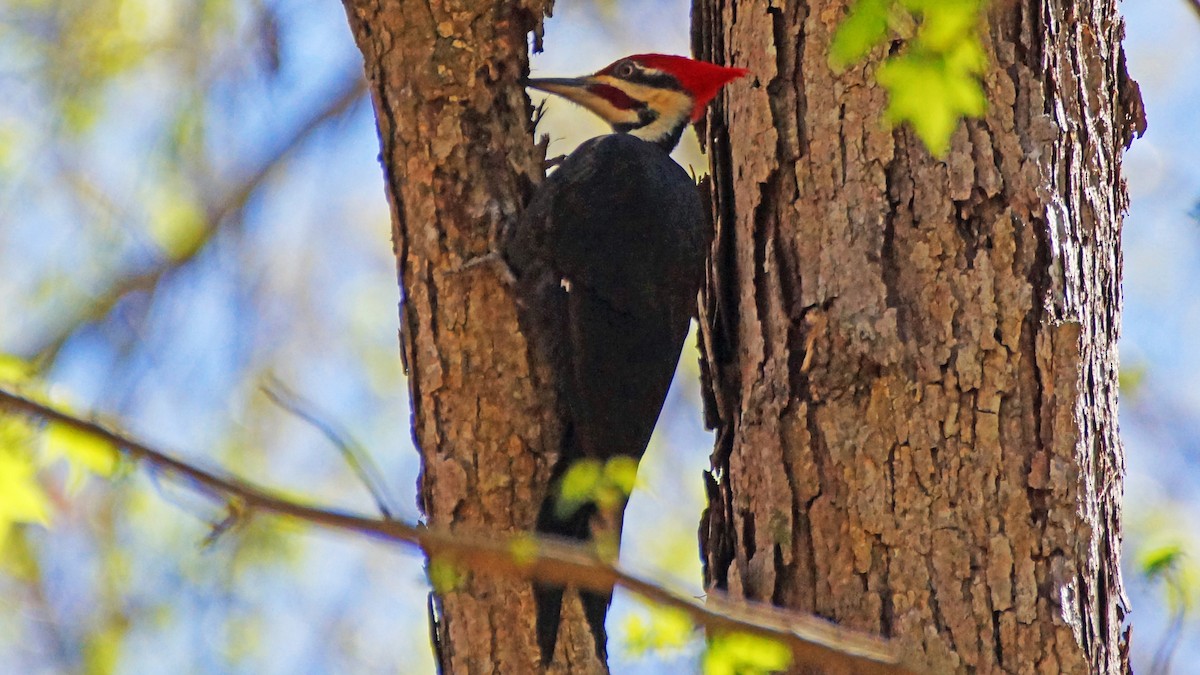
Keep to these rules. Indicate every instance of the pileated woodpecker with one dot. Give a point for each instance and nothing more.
(608, 258)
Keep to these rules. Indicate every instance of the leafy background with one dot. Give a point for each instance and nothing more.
(191, 208)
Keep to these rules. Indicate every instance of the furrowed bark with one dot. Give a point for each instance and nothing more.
(912, 362)
(459, 164)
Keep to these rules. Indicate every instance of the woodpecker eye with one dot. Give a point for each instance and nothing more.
(625, 70)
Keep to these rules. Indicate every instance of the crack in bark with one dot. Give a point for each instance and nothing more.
(972, 395)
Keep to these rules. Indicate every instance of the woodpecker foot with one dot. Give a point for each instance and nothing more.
(553, 162)
(489, 259)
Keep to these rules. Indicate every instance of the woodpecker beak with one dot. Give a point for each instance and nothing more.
(604, 95)
(556, 84)
(571, 88)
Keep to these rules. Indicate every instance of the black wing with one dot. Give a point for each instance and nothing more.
(608, 258)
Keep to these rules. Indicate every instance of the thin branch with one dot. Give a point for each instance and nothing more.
(355, 456)
(812, 640)
(1195, 5)
(225, 207)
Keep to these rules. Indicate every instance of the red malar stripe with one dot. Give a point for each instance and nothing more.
(619, 99)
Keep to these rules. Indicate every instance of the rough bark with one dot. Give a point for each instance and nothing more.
(912, 363)
(459, 163)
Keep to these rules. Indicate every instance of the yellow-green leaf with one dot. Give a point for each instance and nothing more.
(79, 113)
(16, 434)
(1130, 379)
(606, 545)
(22, 499)
(83, 451)
(578, 486)
(1159, 560)
(621, 473)
(934, 81)
(177, 223)
(658, 628)
(14, 369)
(925, 94)
(965, 57)
(745, 654)
(864, 28)
(102, 649)
(18, 559)
(946, 22)
(445, 575)
(524, 549)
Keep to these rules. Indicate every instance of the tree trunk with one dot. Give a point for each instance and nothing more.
(459, 163)
(912, 363)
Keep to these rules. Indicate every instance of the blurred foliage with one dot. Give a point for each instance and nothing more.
(1131, 379)
(1169, 563)
(934, 81)
(445, 575)
(588, 481)
(23, 501)
(607, 486)
(24, 497)
(84, 452)
(143, 145)
(1164, 550)
(655, 630)
(745, 654)
(523, 549)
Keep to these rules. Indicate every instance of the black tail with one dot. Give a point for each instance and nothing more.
(548, 599)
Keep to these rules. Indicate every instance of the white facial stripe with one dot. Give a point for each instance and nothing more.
(673, 107)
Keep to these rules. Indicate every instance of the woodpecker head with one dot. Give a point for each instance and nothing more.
(651, 96)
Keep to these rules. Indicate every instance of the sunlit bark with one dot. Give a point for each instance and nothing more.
(459, 163)
(913, 361)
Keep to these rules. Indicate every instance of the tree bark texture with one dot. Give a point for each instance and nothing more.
(459, 163)
(912, 362)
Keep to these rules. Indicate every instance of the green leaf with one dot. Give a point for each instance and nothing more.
(1160, 560)
(745, 654)
(947, 22)
(935, 82)
(924, 93)
(863, 29)
(965, 57)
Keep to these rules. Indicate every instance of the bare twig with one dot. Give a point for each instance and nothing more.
(1195, 5)
(811, 639)
(215, 216)
(354, 455)
(233, 516)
